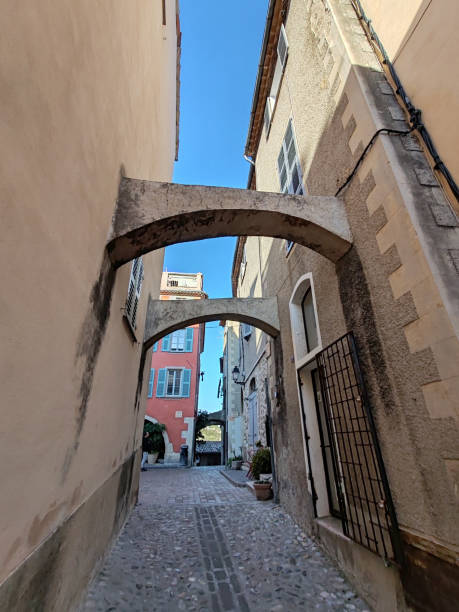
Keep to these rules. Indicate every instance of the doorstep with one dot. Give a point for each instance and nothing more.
(238, 478)
(159, 466)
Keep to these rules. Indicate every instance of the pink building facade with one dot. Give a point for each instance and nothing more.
(173, 387)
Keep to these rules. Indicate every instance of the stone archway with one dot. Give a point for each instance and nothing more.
(169, 449)
(151, 215)
(166, 316)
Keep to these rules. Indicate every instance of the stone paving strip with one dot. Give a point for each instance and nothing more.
(197, 543)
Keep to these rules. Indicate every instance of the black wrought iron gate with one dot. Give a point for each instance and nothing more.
(366, 507)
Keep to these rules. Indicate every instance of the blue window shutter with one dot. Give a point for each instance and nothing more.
(186, 383)
(161, 384)
(166, 343)
(189, 340)
(155, 347)
(150, 382)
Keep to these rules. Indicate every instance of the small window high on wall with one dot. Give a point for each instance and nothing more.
(309, 320)
(288, 167)
(304, 321)
(135, 287)
(282, 54)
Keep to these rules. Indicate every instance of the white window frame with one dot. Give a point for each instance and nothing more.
(288, 187)
(300, 346)
(179, 394)
(134, 291)
(243, 262)
(178, 341)
(281, 62)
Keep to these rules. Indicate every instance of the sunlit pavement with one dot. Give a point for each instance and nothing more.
(196, 542)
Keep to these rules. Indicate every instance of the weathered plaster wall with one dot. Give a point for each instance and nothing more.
(421, 39)
(87, 93)
(388, 288)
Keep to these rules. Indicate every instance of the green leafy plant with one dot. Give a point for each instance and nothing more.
(155, 441)
(201, 423)
(236, 458)
(261, 463)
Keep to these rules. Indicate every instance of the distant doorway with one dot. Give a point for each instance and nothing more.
(253, 414)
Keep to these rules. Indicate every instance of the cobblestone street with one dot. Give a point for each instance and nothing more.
(197, 543)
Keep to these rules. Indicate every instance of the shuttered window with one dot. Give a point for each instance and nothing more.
(150, 382)
(173, 382)
(282, 46)
(189, 340)
(282, 53)
(135, 288)
(180, 341)
(288, 164)
(246, 330)
(288, 167)
(186, 383)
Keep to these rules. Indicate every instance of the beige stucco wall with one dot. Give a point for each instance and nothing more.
(421, 39)
(87, 92)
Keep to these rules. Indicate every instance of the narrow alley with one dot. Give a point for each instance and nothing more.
(196, 542)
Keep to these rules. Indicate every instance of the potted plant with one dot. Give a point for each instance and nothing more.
(261, 463)
(236, 462)
(155, 440)
(262, 490)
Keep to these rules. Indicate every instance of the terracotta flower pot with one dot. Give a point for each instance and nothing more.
(262, 491)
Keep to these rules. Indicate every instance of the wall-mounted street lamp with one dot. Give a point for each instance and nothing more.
(201, 374)
(235, 373)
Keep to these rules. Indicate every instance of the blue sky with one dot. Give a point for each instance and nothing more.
(221, 43)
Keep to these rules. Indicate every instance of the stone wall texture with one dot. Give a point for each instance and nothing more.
(390, 289)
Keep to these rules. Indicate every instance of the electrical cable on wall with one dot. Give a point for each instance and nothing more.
(367, 148)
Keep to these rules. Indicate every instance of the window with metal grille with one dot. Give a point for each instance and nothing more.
(288, 167)
(135, 288)
(173, 283)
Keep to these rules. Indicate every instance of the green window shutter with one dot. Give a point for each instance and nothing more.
(186, 383)
(150, 382)
(155, 347)
(189, 340)
(166, 343)
(161, 384)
